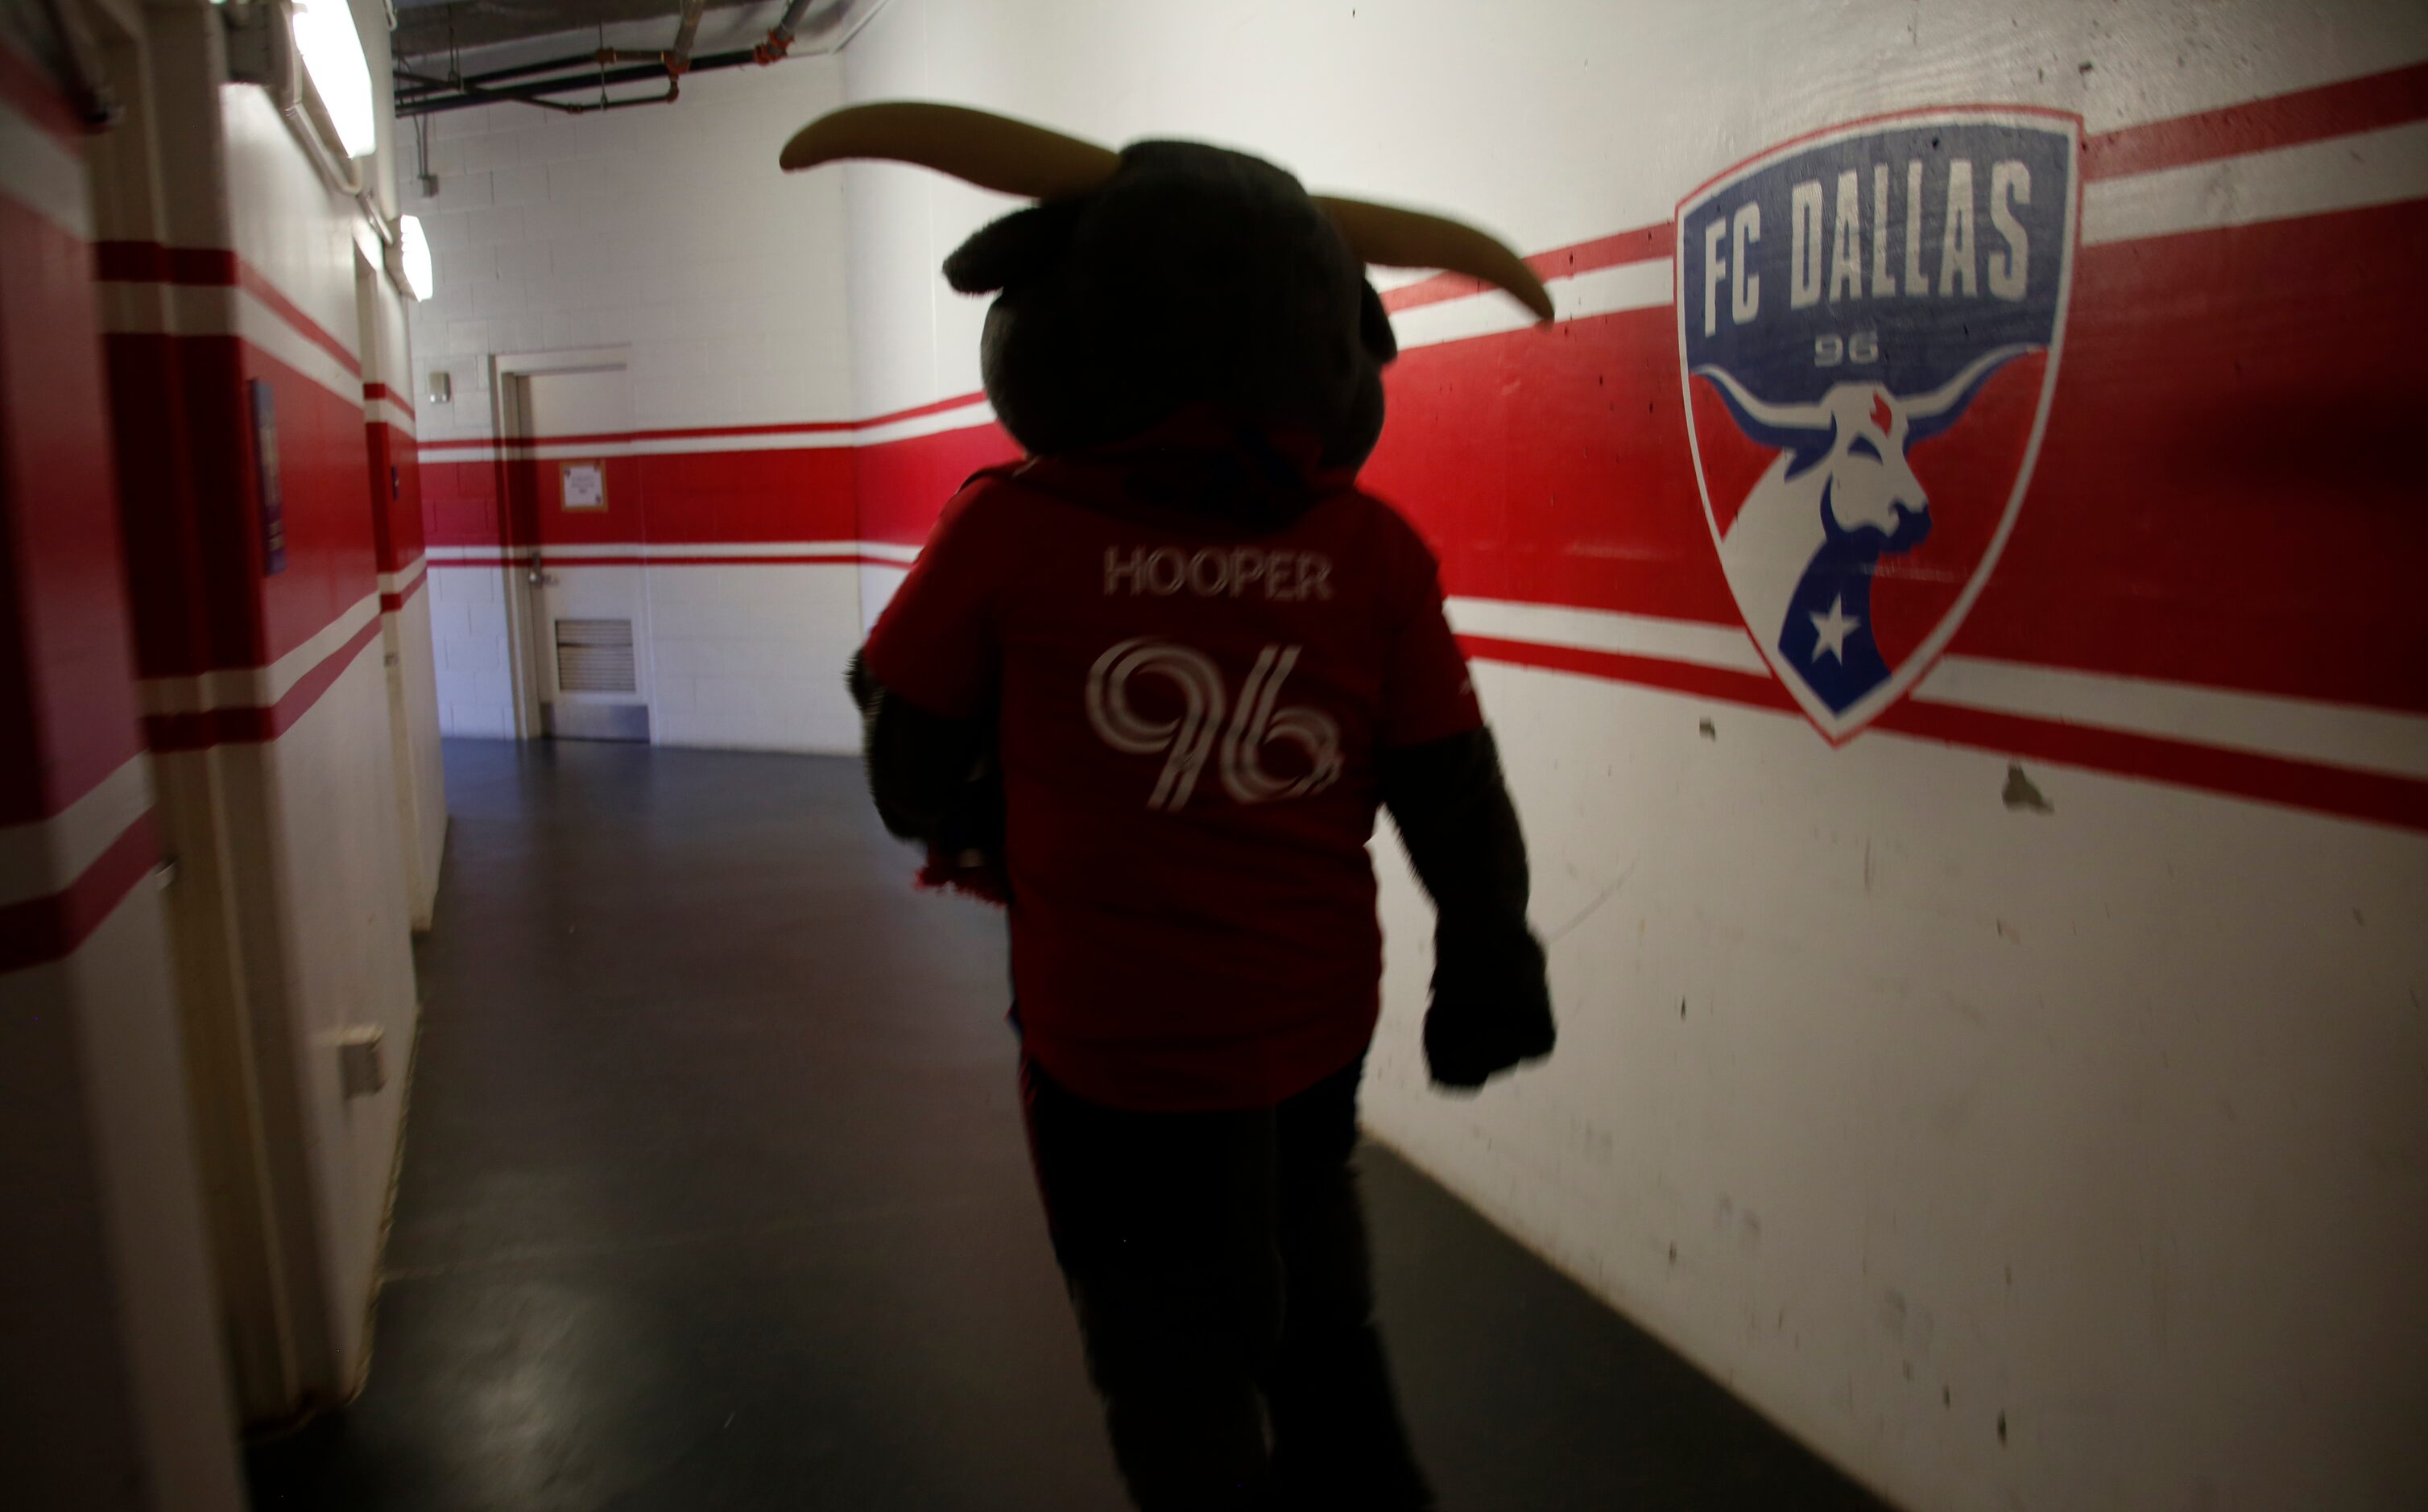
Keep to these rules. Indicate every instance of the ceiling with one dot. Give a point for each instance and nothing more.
(427, 27)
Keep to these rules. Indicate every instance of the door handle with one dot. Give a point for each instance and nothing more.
(543, 580)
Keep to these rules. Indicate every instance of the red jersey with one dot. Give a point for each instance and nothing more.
(1189, 716)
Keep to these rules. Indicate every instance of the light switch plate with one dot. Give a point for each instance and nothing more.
(362, 1065)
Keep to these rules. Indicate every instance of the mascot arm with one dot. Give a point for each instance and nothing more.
(1491, 1002)
(919, 764)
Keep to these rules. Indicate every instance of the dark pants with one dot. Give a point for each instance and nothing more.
(1218, 1264)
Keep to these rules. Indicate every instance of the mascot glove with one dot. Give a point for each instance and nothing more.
(1491, 1007)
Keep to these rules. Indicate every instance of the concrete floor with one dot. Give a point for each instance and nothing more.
(714, 1197)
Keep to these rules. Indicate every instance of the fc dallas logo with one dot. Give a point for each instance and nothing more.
(1868, 328)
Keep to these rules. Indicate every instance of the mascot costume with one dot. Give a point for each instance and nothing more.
(1148, 688)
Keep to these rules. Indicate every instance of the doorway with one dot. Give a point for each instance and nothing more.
(576, 492)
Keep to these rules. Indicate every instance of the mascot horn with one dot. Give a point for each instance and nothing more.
(1166, 274)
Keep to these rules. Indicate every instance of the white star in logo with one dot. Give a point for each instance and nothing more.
(1832, 629)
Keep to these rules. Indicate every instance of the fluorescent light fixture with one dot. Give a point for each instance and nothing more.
(413, 252)
(332, 54)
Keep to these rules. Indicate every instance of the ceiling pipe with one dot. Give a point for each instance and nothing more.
(469, 94)
(421, 94)
(780, 37)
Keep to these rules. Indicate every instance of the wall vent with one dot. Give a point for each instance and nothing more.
(595, 657)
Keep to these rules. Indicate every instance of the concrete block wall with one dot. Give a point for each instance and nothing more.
(665, 239)
(2020, 1097)
(472, 654)
(666, 231)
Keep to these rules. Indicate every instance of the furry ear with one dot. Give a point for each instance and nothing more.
(1374, 324)
(1012, 250)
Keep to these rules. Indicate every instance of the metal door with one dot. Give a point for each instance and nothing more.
(577, 492)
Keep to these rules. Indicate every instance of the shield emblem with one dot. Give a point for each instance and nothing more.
(1869, 320)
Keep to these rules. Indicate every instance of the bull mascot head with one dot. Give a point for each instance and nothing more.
(1163, 278)
(1166, 275)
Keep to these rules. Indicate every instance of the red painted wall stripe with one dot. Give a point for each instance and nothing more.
(391, 603)
(611, 438)
(192, 523)
(395, 479)
(49, 929)
(2367, 103)
(902, 485)
(257, 724)
(382, 391)
(145, 262)
(812, 559)
(1752, 689)
(712, 497)
(2180, 487)
(66, 657)
(34, 94)
(149, 262)
(604, 438)
(1643, 244)
(916, 410)
(250, 280)
(2315, 787)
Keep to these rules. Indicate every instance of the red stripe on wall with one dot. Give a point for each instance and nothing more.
(2315, 787)
(915, 411)
(391, 603)
(397, 530)
(252, 282)
(903, 486)
(156, 469)
(2226, 494)
(193, 520)
(331, 555)
(2365, 104)
(2321, 789)
(807, 558)
(255, 724)
(67, 659)
(709, 497)
(1644, 244)
(149, 262)
(34, 94)
(609, 438)
(381, 391)
(1752, 689)
(48, 929)
(612, 438)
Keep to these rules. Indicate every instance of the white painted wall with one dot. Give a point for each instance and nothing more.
(472, 666)
(420, 770)
(667, 230)
(410, 657)
(118, 1380)
(669, 233)
(344, 963)
(2013, 1159)
(752, 657)
(296, 930)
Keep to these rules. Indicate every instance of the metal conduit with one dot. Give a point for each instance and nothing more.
(420, 94)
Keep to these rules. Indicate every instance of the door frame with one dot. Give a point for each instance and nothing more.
(526, 642)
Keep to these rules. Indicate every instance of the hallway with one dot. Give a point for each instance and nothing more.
(713, 1197)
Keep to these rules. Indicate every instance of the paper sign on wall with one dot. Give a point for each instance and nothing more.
(584, 485)
(264, 473)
